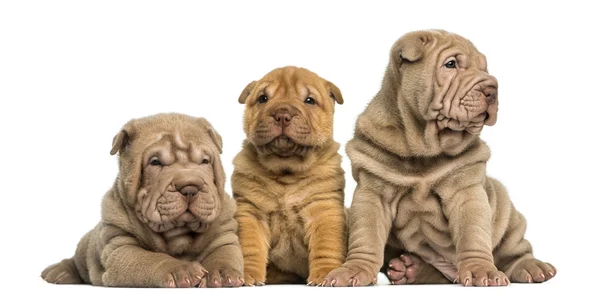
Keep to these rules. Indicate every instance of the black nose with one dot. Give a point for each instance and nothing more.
(189, 190)
(283, 117)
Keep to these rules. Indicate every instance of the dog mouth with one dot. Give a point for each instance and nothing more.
(472, 126)
(284, 146)
(173, 210)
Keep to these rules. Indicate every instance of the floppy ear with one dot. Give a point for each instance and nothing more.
(214, 135)
(335, 93)
(411, 46)
(246, 92)
(121, 140)
(218, 170)
(216, 138)
(219, 174)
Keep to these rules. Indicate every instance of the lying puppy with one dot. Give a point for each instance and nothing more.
(420, 167)
(166, 213)
(288, 182)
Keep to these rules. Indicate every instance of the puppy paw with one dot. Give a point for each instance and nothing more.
(350, 277)
(254, 279)
(63, 272)
(317, 276)
(532, 270)
(403, 270)
(185, 275)
(481, 274)
(225, 277)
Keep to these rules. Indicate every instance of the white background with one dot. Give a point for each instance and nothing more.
(73, 72)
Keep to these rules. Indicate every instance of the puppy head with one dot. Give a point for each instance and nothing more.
(442, 77)
(289, 111)
(170, 171)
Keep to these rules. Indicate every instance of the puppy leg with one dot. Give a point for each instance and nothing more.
(514, 254)
(369, 226)
(470, 219)
(404, 268)
(254, 238)
(73, 270)
(63, 272)
(127, 264)
(325, 230)
(225, 261)
(224, 267)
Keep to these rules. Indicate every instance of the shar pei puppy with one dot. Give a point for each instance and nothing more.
(288, 182)
(420, 165)
(167, 221)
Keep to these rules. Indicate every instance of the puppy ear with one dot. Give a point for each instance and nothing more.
(121, 140)
(411, 46)
(218, 171)
(214, 135)
(246, 92)
(219, 174)
(335, 93)
(216, 138)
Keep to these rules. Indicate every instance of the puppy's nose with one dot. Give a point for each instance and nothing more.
(189, 190)
(491, 93)
(283, 117)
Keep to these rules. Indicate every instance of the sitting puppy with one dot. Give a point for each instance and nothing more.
(288, 182)
(421, 172)
(166, 214)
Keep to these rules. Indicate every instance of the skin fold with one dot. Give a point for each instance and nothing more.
(424, 210)
(167, 221)
(288, 182)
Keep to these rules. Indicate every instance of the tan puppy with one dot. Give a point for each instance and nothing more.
(166, 213)
(288, 182)
(420, 167)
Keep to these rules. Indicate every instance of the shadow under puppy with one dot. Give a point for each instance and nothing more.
(288, 182)
(167, 221)
(421, 172)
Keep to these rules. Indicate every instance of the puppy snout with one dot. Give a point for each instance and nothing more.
(188, 184)
(283, 117)
(189, 190)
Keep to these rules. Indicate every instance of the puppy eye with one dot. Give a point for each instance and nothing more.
(310, 100)
(263, 99)
(205, 161)
(155, 161)
(450, 64)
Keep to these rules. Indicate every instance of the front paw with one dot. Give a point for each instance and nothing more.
(185, 275)
(532, 270)
(252, 279)
(481, 274)
(317, 276)
(225, 277)
(346, 277)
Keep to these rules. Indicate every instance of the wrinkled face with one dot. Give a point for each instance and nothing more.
(177, 185)
(289, 111)
(170, 171)
(465, 96)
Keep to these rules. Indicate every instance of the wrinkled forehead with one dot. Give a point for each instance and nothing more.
(290, 83)
(175, 146)
(452, 45)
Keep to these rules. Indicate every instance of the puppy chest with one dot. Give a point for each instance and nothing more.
(421, 224)
(288, 249)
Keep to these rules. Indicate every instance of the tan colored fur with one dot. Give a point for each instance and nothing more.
(289, 189)
(149, 235)
(421, 172)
